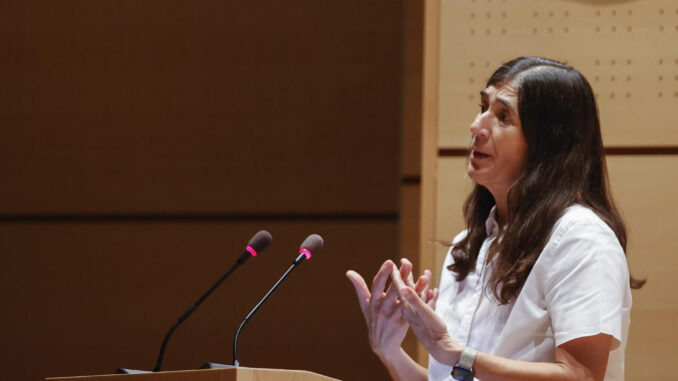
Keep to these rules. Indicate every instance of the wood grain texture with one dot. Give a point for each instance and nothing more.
(143, 143)
(609, 150)
(238, 374)
(199, 106)
(429, 131)
(453, 188)
(626, 50)
(84, 298)
(651, 350)
(644, 187)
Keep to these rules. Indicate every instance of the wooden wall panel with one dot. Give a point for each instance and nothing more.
(411, 143)
(199, 107)
(626, 49)
(644, 187)
(651, 349)
(409, 222)
(453, 187)
(143, 142)
(409, 244)
(412, 87)
(84, 298)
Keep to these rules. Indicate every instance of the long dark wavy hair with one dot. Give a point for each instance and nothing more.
(565, 165)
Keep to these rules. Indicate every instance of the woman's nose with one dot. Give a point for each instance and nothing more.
(479, 128)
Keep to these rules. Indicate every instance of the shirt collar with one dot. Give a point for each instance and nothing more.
(491, 225)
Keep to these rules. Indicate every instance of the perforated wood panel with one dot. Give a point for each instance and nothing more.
(627, 49)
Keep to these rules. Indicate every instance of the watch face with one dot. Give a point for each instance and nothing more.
(462, 374)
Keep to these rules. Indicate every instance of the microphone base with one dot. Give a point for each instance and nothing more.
(130, 371)
(214, 365)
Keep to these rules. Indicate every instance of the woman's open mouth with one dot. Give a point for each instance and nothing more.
(479, 155)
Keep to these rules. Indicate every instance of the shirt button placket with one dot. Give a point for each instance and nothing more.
(472, 305)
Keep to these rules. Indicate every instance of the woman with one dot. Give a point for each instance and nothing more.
(537, 287)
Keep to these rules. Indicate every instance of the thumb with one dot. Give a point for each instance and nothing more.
(361, 289)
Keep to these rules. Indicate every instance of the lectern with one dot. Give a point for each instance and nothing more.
(230, 374)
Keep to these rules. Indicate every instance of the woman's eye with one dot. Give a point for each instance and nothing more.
(483, 107)
(504, 116)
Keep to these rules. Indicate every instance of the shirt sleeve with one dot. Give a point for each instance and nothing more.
(587, 281)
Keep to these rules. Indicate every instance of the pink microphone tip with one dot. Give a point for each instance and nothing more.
(259, 242)
(305, 252)
(311, 245)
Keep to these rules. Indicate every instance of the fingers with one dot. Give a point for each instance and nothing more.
(361, 289)
(390, 304)
(423, 282)
(422, 310)
(378, 284)
(432, 298)
(397, 282)
(411, 301)
(386, 325)
(422, 285)
(407, 275)
(380, 279)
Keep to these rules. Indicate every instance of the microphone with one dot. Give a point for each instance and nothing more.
(256, 245)
(311, 245)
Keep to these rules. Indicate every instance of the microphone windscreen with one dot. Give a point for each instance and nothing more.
(260, 241)
(313, 243)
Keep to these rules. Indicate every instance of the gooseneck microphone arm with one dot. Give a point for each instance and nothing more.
(258, 243)
(296, 263)
(158, 364)
(311, 244)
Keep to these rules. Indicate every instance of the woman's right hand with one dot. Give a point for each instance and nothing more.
(385, 324)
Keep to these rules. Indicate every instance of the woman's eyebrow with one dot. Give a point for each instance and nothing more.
(505, 103)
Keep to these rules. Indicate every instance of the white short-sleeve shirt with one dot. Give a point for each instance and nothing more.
(578, 287)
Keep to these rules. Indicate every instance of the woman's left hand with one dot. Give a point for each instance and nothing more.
(429, 328)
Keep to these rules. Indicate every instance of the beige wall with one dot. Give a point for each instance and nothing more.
(628, 52)
(143, 143)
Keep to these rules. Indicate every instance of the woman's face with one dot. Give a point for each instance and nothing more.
(499, 148)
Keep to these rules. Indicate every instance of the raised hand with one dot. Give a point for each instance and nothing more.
(417, 307)
(385, 324)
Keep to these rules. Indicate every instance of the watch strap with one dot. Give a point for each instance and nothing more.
(468, 356)
(463, 371)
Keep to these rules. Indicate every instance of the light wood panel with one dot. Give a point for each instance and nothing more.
(237, 374)
(429, 139)
(626, 49)
(453, 188)
(644, 187)
(651, 351)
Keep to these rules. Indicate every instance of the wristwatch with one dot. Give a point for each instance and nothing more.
(463, 371)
